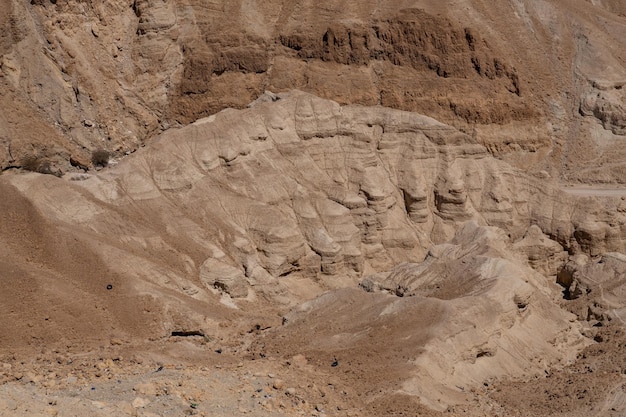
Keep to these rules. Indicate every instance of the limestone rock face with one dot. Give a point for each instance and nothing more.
(469, 313)
(544, 255)
(286, 206)
(595, 289)
(310, 184)
(300, 188)
(80, 76)
(608, 108)
(260, 159)
(305, 185)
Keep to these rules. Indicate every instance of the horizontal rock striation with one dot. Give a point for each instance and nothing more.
(79, 77)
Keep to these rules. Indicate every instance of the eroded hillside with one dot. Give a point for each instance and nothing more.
(312, 208)
(261, 232)
(538, 83)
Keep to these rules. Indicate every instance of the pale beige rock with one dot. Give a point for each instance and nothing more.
(79, 77)
(290, 199)
(544, 255)
(331, 191)
(475, 311)
(140, 402)
(214, 273)
(596, 288)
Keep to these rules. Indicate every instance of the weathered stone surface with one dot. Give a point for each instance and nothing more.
(472, 310)
(217, 274)
(81, 76)
(596, 289)
(607, 107)
(544, 255)
(293, 198)
(296, 190)
(216, 226)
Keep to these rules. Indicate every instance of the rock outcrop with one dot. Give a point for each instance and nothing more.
(544, 255)
(412, 149)
(249, 213)
(594, 289)
(469, 313)
(77, 77)
(308, 184)
(608, 108)
(303, 187)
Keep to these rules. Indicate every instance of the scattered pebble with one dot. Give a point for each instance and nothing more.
(98, 404)
(278, 384)
(140, 402)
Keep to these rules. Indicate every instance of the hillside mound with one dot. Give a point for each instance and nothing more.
(388, 242)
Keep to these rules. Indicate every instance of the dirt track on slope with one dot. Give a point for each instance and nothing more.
(595, 191)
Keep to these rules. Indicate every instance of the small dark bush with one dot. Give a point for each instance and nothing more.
(100, 158)
(40, 165)
(31, 163)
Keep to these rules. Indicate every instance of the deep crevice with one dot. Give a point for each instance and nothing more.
(187, 333)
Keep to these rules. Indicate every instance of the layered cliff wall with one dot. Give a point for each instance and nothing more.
(83, 76)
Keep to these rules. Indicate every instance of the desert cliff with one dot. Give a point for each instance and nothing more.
(298, 208)
(546, 96)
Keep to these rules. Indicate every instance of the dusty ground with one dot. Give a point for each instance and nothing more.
(185, 376)
(299, 257)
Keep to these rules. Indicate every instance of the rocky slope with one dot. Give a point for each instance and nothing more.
(80, 76)
(222, 230)
(312, 208)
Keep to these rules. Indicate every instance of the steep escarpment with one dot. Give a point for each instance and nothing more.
(305, 185)
(419, 41)
(110, 75)
(370, 200)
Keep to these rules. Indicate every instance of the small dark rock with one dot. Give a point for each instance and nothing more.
(368, 285)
